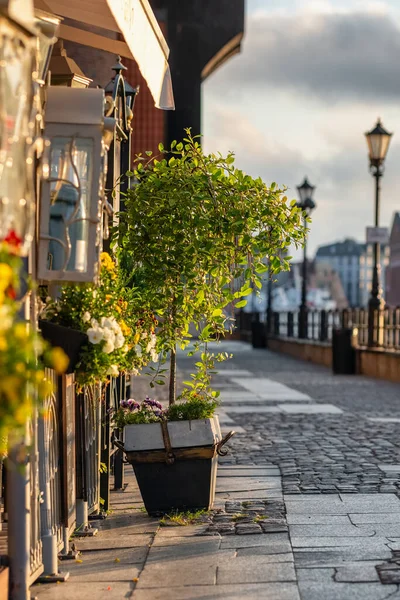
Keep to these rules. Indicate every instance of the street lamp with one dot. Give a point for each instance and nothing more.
(378, 140)
(307, 205)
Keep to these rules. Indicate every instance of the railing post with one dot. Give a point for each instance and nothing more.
(49, 464)
(105, 436)
(118, 462)
(323, 326)
(276, 324)
(19, 521)
(290, 324)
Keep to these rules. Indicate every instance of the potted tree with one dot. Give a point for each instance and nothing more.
(195, 233)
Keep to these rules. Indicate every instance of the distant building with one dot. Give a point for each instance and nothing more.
(324, 290)
(392, 292)
(353, 262)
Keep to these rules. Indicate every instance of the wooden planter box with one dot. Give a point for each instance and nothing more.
(70, 340)
(175, 463)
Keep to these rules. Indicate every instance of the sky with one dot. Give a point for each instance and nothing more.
(312, 77)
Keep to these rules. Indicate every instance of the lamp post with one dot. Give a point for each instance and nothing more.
(307, 205)
(378, 140)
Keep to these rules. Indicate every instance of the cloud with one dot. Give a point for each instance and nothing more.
(331, 56)
(344, 189)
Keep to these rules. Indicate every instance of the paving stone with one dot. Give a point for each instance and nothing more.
(247, 529)
(339, 556)
(372, 543)
(357, 573)
(332, 530)
(324, 574)
(311, 409)
(270, 591)
(271, 542)
(300, 519)
(83, 590)
(167, 568)
(345, 591)
(255, 569)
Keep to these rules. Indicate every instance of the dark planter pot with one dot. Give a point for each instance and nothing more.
(175, 463)
(70, 340)
(184, 485)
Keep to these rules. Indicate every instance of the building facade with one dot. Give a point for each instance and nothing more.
(353, 262)
(392, 295)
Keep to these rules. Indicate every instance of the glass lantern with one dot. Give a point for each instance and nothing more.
(72, 198)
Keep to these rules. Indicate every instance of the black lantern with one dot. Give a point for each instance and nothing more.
(378, 140)
(306, 191)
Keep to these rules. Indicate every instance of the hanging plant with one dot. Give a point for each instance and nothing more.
(194, 227)
(120, 330)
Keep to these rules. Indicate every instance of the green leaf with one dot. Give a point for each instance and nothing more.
(241, 304)
(217, 312)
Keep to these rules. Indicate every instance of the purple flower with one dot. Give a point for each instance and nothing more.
(153, 403)
(130, 404)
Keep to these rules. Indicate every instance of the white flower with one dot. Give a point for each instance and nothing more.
(149, 347)
(134, 372)
(119, 340)
(94, 294)
(138, 349)
(108, 335)
(125, 349)
(94, 323)
(86, 317)
(144, 335)
(153, 338)
(110, 323)
(113, 370)
(95, 335)
(108, 347)
(154, 356)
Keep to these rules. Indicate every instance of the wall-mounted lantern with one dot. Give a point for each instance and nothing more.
(72, 199)
(17, 123)
(64, 70)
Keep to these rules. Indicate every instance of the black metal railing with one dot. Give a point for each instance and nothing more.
(321, 323)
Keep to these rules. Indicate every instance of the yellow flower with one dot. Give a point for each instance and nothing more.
(136, 338)
(3, 344)
(106, 261)
(59, 360)
(20, 331)
(45, 388)
(19, 367)
(6, 276)
(10, 386)
(38, 377)
(124, 328)
(108, 297)
(118, 309)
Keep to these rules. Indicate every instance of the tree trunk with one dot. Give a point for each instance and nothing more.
(172, 377)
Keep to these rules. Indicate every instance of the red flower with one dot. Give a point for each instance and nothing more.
(11, 293)
(13, 239)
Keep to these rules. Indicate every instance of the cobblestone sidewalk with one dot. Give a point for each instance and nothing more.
(307, 505)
